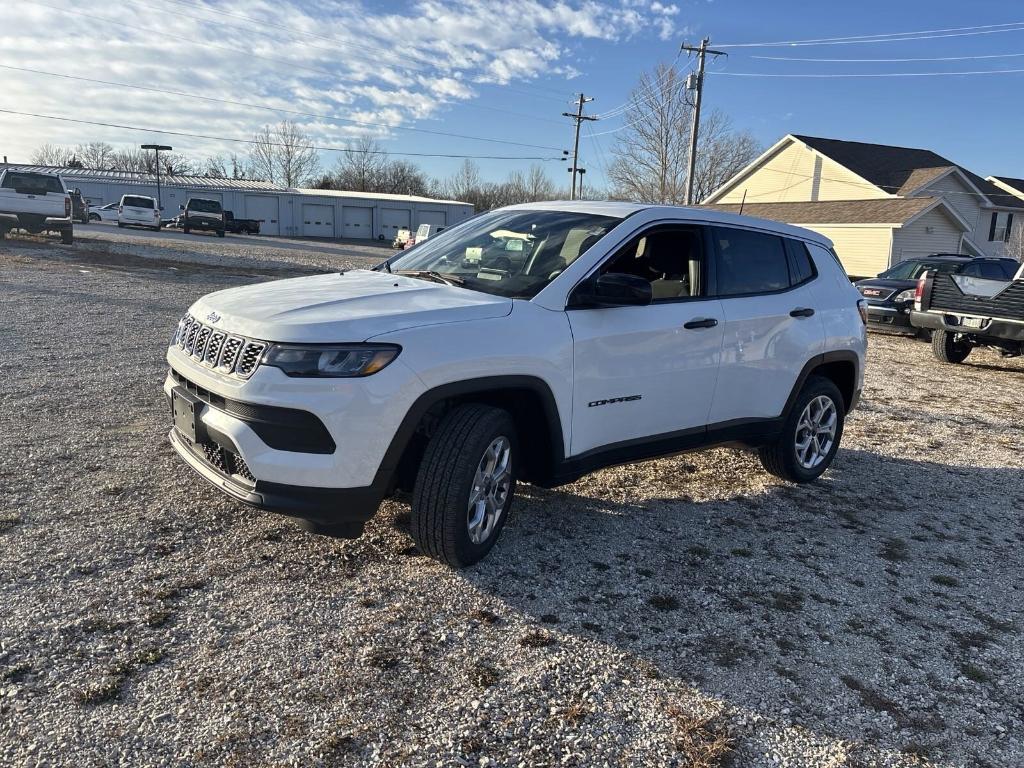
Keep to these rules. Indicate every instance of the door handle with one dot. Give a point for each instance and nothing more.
(802, 312)
(704, 322)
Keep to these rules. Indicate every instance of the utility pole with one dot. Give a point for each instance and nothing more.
(578, 117)
(156, 148)
(695, 82)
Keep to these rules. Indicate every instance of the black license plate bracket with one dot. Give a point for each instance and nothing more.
(187, 410)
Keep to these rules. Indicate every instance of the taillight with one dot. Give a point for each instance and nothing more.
(919, 292)
(67, 206)
(862, 307)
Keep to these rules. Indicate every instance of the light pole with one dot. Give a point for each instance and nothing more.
(156, 148)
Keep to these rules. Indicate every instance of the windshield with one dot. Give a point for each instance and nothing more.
(38, 183)
(911, 270)
(204, 206)
(139, 202)
(508, 253)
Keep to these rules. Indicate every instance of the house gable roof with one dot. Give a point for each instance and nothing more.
(1009, 183)
(901, 170)
(889, 211)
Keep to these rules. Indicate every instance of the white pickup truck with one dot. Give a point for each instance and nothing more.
(35, 202)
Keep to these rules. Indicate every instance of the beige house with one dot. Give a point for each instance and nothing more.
(878, 204)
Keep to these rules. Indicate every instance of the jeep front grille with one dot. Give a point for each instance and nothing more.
(216, 349)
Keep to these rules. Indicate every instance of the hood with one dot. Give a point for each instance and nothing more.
(347, 307)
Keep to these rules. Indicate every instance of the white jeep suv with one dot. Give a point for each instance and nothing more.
(538, 342)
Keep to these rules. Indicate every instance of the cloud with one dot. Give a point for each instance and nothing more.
(346, 59)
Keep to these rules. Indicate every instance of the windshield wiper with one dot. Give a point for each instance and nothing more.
(429, 274)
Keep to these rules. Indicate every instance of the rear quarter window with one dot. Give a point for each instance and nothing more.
(750, 262)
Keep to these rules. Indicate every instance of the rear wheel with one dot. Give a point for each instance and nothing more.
(186, 230)
(465, 485)
(220, 233)
(120, 225)
(948, 348)
(810, 435)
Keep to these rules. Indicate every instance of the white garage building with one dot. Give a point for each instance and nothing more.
(281, 211)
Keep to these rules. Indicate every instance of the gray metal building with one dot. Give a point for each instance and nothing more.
(281, 211)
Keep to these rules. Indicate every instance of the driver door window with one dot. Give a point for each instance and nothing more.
(671, 259)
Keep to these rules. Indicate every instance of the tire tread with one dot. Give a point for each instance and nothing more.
(437, 501)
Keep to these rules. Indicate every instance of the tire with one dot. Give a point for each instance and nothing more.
(94, 217)
(442, 516)
(784, 458)
(120, 225)
(946, 348)
(67, 236)
(220, 233)
(186, 230)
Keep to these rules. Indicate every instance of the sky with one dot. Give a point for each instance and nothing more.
(499, 73)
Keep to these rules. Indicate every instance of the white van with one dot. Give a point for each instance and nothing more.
(423, 231)
(138, 211)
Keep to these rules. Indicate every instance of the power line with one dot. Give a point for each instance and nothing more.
(925, 58)
(272, 144)
(825, 76)
(651, 91)
(885, 37)
(274, 109)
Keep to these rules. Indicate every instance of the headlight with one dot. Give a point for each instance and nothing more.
(907, 295)
(332, 361)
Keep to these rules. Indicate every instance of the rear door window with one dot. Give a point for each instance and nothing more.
(139, 202)
(749, 262)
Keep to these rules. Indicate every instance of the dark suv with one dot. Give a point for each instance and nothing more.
(890, 296)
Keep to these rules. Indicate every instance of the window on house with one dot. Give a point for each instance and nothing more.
(1001, 226)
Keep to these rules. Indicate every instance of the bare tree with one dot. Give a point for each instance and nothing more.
(53, 154)
(284, 154)
(95, 154)
(1014, 247)
(361, 168)
(721, 153)
(650, 157)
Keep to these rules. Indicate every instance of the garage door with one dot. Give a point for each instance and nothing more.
(358, 221)
(265, 209)
(317, 220)
(431, 217)
(392, 220)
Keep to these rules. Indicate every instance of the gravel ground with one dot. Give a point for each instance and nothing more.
(689, 611)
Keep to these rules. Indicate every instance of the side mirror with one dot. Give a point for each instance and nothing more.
(614, 289)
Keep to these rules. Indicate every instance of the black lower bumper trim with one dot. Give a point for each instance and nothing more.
(325, 510)
(994, 328)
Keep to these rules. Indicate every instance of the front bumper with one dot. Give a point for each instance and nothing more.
(341, 511)
(889, 319)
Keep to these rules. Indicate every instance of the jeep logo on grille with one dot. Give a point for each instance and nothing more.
(213, 317)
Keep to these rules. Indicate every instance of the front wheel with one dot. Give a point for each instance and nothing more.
(948, 348)
(465, 485)
(810, 435)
